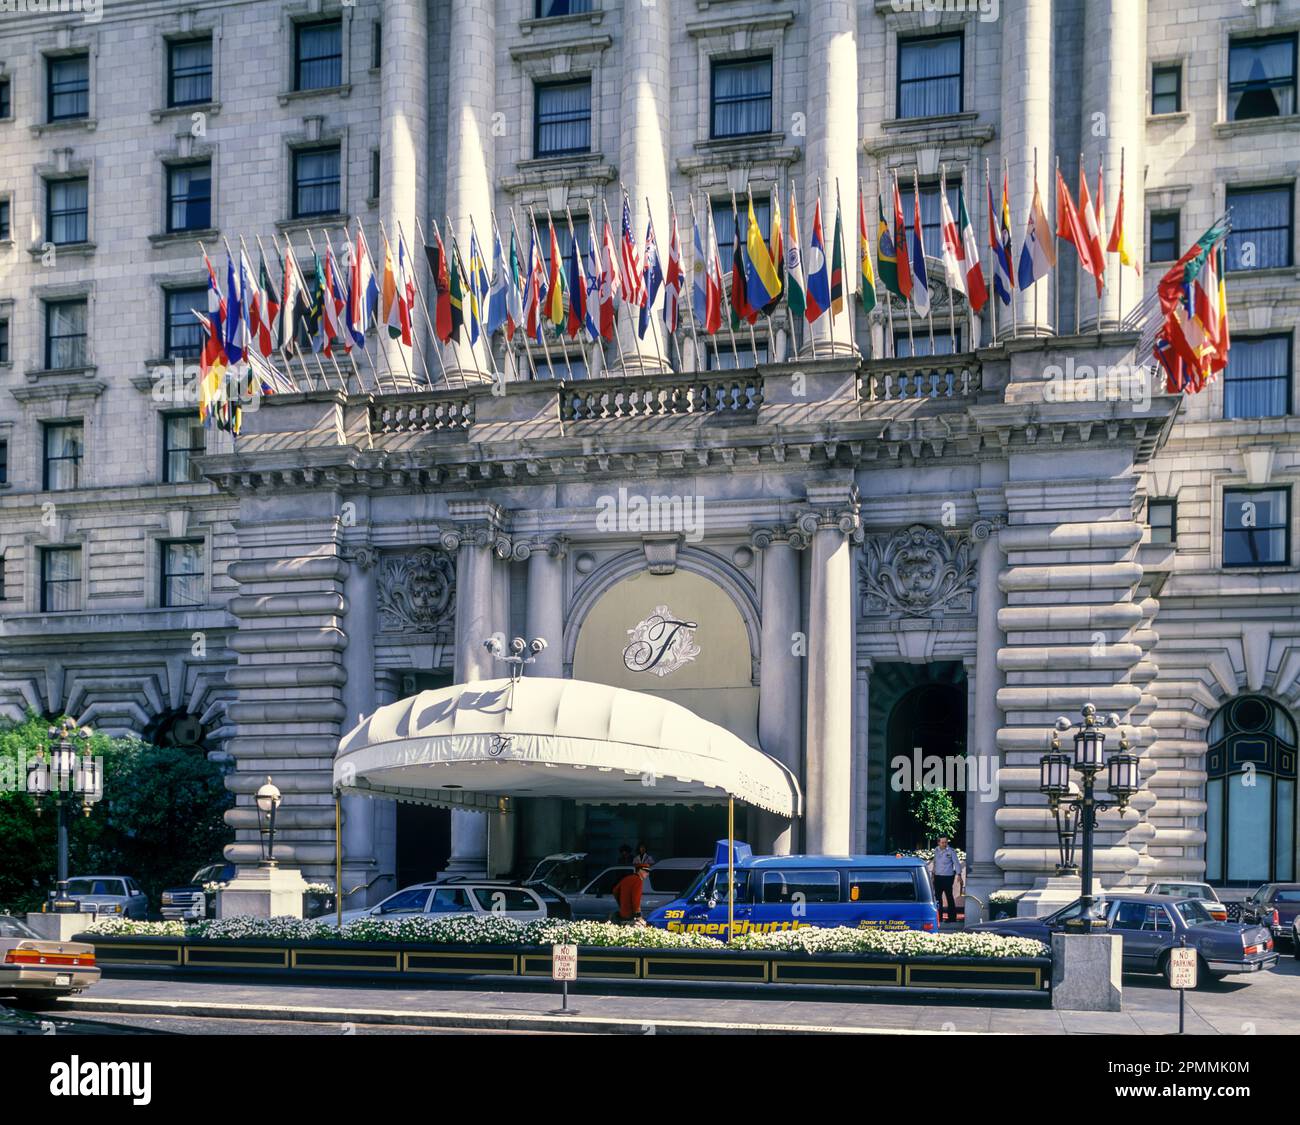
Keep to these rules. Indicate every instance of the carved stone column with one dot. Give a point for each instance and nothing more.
(359, 701)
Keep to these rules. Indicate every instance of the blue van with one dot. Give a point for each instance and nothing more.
(786, 892)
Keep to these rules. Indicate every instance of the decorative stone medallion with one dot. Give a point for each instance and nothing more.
(917, 572)
(661, 643)
(416, 592)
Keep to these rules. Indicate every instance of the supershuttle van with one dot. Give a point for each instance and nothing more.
(787, 892)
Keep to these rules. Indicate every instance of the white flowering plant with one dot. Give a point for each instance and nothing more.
(891, 943)
(319, 889)
(128, 927)
(212, 888)
(1005, 897)
(281, 928)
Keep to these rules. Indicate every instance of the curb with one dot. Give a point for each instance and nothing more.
(592, 1025)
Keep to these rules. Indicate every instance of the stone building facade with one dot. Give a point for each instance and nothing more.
(878, 553)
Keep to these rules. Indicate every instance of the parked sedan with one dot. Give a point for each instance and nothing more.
(1151, 925)
(1275, 905)
(1202, 892)
(34, 968)
(455, 896)
(109, 896)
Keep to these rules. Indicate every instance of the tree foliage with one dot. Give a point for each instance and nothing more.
(935, 812)
(159, 821)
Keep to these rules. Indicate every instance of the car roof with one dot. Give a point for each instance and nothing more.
(680, 862)
(1124, 896)
(802, 861)
(73, 878)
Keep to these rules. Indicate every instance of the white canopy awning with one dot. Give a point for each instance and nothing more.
(469, 745)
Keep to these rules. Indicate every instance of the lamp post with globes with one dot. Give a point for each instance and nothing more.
(521, 652)
(1076, 812)
(68, 773)
(268, 804)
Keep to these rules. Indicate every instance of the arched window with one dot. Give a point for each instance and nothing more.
(1250, 793)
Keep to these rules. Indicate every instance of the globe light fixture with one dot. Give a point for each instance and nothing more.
(66, 770)
(268, 804)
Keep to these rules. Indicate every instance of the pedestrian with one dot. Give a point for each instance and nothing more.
(627, 894)
(624, 855)
(643, 856)
(946, 869)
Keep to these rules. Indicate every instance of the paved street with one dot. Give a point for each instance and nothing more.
(1264, 1004)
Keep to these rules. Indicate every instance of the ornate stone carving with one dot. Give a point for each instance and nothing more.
(365, 557)
(416, 592)
(917, 572)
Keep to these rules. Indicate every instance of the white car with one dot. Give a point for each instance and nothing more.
(668, 880)
(461, 896)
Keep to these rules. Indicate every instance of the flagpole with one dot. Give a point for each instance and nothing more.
(441, 344)
(416, 351)
(892, 349)
(735, 218)
(695, 338)
(348, 342)
(374, 370)
(695, 220)
(378, 277)
(405, 365)
(905, 249)
(916, 221)
(993, 259)
(1056, 244)
(673, 229)
(952, 302)
(458, 263)
(649, 310)
(1031, 214)
(541, 331)
(522, 327)
(1015, 315)
(1119, 297)
(302, 283)
(281, 349)
(796, 338)
(507, 345)
(843, 247)
(482, 320)
(615, 274)
(1078, 269)
(435, 345)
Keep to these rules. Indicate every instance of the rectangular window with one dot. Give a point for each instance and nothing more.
(724, 227)
(374, 174)
(182, 572)
(740, 96)
(318, 55)
(562, 118)
(67, 87)
(4, 340)
(4, 220)
(182, 336)
(1162, 519)
(184, 438)
(797, 885)
(548, 8)
(918, 346)
(62, 456)
(1261, 77)
(1257, 382)
(741, 359)
(316, 185)
(931, 217)
(189, 72)
(189, 197)
(377, 47)
(563, 241)
(1256, 527)
(67, 208)
(60, 579)
(1262, 221)
(6, 102)
(1166, 89)
(1166, 237)
(930, 76)
(4, 462)
(65, 334)
(882, 885)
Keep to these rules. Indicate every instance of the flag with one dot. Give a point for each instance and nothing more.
(652, 278)
(1036, 255)
(593, 281)
(901, 252)
(632, 283)
(335, 330)
(796, 290)
(248, 295)
(388, 289)
(713, 283)
(315, 304)
(1003, 279)
(1182, 339)
(212, 370)
(954, 249)
(1225, 334)
(364, 298)
(455, 291)
(886, 254)
(837, 263)
(438, 271)
(577, 287)
(1101, 209)
(920, 274)
(741, 308)
(1096, 264)
(268, 308)
(514, 288)
(763, 284)
(293, 300)
(497, 313)
(977, 290)
(216, 308)
(673, 281)
(398, 306)
(1118, 243)
(233, 314)
(864, 250)
(777, 251)
(819, 278)
(479, 287)
(699, 276)
(533, 283)
(553, 304)
(610, 285)
(1069, 225)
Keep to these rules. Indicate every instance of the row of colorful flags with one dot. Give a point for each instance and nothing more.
(328, 306)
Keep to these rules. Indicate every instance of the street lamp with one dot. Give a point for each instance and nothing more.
(268, 804)
(1076, 810)
(521, 652)
(70, 769)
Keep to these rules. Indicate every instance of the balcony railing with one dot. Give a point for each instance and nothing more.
(737, 394)
(426, 414)
(926, 377)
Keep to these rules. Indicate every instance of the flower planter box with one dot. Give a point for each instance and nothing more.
(413, 961)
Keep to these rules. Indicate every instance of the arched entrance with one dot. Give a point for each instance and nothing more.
(1250, 793)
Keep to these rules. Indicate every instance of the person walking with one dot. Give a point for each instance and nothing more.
(627, 894)
(945, 867)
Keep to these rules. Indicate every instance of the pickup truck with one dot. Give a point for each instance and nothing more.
(191, 902)
(1275, 905)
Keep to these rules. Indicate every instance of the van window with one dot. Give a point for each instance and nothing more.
(798, 885)
(503, 898)
(671, 880)
(449, 900)
(715, 885)
(882, 885)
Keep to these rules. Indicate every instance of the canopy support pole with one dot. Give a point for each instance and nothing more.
(731, 865)
(338, 859)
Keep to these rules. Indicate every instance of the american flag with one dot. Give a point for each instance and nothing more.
(633, 282)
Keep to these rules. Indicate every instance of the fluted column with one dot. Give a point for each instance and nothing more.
(403, 145)
(359, 701)
(643, 157)
(831, 150)
(471, 95)
(780, 686)
(545, 609)
(982, 873)
(1114, 124)
(831, 527)
(1026, 125)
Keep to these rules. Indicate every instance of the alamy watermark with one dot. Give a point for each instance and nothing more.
(958, 773)
(1102, 382)
(632, 512)
(986, 10)
(92, 11)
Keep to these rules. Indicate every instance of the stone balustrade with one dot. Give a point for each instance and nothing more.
(422, 414)
(936, 377)
(737, 394)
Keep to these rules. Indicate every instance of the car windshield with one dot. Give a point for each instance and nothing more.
(1192, 912)
(95, 887)
(410, 901)
(1099, 908)
(672, 880)
(10, 927)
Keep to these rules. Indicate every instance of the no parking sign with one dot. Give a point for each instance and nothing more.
(1182, 968)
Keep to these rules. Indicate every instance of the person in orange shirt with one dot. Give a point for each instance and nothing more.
(627, 893)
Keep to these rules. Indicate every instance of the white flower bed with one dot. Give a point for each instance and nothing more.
(1005, 897)
(469, 929)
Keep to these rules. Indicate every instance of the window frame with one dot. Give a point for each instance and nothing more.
(164, 575)
(6, 98)
(168, 324)
(905, 41)
(171, 199)
(6, 223)
(724, 62)
(1176, 69)
(172, 76)
(542, 87)
(539, 14)
(48, 355)
(6, 336)
(46, 429)
(168, 477)
(1171, 504)
(1289, 188)
(45, 554)
(1255, 41)
(297, 154)
(1171, 213)
(51, 63)
(1225, 530)
(50, 186)
(1286, 338)
(307, 25)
